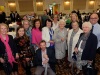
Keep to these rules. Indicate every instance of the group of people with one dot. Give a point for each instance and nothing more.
(45, 46)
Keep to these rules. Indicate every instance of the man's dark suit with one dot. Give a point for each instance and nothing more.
(51, 56)
(12, 16)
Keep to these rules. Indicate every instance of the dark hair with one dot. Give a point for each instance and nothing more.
(36, 20)
(48, 21)
(17, 35)
(42, 41)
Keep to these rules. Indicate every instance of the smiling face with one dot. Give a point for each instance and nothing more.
(86, 27)
(3, 29)
(75, 25)
(26, 25)
(43, 46)
(37, 24)
(48, 24)
(94, 19)
(61, 24)
(73, 17)
(21, 32)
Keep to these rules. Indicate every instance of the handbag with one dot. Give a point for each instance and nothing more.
(89, 70)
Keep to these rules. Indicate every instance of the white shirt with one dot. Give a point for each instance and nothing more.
(43, 59)
(55, 25)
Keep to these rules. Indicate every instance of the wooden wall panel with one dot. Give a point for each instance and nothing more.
(79, 4)
(12, 6)
(26, 5)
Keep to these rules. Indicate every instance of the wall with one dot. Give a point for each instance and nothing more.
(27, 6)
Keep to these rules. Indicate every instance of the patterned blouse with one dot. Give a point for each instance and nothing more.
(23, 46)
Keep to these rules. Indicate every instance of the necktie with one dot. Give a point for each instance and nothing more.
(92, 29)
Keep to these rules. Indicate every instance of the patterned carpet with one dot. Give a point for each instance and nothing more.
(62, 68)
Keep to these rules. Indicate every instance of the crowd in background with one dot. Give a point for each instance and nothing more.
(52, 43)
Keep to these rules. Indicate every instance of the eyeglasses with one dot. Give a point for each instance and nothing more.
(93, 18)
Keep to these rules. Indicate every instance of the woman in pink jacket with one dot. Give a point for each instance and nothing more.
(36, 33)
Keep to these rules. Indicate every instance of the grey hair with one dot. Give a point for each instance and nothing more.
(87, 24)
(62, 21)
(25, 21)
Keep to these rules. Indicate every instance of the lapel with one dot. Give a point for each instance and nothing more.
(40, 55)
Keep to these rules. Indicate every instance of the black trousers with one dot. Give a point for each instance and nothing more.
(7, 67)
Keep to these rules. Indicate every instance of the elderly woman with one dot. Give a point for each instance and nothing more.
(27, 28)
(60, 39)
(8, 50)
(73, 36)
(86, 46)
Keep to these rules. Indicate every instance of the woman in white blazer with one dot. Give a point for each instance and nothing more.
(73, 36)
(47, 34)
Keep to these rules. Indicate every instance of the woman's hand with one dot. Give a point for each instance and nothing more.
(62, 39)
(76, 50)
(51, 41)
(2, 60)
(17, 56)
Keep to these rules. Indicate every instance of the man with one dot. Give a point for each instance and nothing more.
(45, 57)
(44, 17)
(96, 27)
(96, 30)
(12, 16)
(17, 16)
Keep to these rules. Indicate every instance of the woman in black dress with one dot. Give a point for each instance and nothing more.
(23, 45)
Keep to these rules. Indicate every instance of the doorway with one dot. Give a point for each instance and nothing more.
(55, 8)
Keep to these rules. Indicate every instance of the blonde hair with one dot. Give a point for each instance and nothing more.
(76, 16)
(87, 24)
(3, 24)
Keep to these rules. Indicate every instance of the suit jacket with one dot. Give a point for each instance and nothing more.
(89, 51)
(11, 44)
(51, 55)
(12, 16)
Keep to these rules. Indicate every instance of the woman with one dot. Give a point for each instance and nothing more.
(55, 22)
(47, 34)
(86, 47)
(60, 38)
(8, 50)
(73, 36)
(74, 18)
(27, 28)
(36, 33)
(23, 44)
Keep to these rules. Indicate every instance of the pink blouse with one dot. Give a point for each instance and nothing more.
(36, 36)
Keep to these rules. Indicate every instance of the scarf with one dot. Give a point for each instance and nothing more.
(84, 39)
(8, 50)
